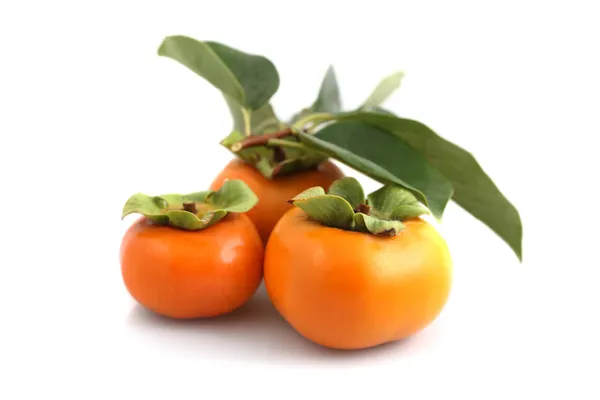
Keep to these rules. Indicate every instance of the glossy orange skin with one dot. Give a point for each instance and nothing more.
(274, 194)
(351, 290)
(192, 274)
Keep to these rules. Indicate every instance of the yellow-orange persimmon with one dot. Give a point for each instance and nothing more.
(183, 273)
(351, 290)
(274, 193)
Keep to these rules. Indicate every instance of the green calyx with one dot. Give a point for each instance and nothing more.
(194, 211)
(344, 206)
(273, 154)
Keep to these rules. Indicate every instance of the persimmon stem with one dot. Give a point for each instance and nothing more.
(259, 140)
(190, 207)
(363, 208)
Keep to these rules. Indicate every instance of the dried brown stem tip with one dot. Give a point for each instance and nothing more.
(363, 208)
(259, 140)
(190, 207)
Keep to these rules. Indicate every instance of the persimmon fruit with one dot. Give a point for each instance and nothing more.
(274, 193)
(191, 271)
(345, 289)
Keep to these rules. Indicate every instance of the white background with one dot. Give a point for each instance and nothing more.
(89, 114)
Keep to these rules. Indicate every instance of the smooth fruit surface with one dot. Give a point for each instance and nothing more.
(352, 290)
(192, 274)
(274, 194)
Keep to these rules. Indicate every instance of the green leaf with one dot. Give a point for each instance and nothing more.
(193, 211)
(377, 110)
(396, 203)
(248, 79)
(233, 196)
(474, 190)
(329, 210)
(376, 226)
(363, 165)
(385, 158)
(384, 89)
(328, 99)
(349, 189)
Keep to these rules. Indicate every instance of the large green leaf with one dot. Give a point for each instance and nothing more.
(474, 190)
(376, 109)
(328, 99)
(367, 167)
(250, 80)
(402, 164)
(384, 89)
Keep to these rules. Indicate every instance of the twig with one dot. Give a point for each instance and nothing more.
(259, 140)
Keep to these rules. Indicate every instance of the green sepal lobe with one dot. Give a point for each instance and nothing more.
(349, 189)
(328, 209)
(376, 226)
(394, 202)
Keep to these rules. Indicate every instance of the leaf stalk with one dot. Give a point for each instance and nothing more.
(247, 121)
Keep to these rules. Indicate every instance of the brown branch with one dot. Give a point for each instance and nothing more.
(259, 140)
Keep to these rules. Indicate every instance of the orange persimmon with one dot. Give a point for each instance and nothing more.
(188, 257)
(352, 289)
(274, 193)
